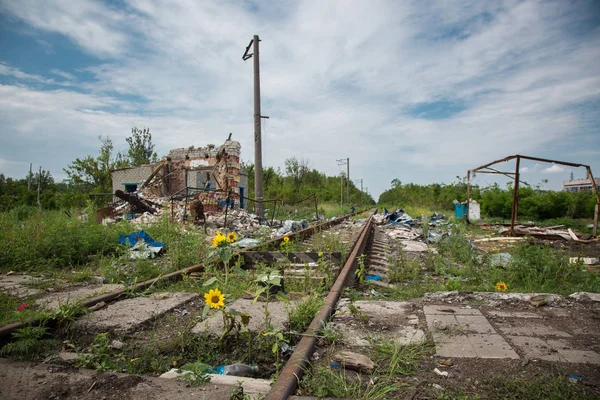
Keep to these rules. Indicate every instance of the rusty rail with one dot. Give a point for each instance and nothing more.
(293, 370)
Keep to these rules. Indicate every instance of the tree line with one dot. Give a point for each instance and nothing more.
(496, 202)
(85, 176)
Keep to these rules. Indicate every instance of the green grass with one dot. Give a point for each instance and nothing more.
(302, 314)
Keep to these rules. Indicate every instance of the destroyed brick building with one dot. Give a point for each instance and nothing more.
(211, 172)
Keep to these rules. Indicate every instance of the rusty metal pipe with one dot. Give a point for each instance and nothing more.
(293, 370)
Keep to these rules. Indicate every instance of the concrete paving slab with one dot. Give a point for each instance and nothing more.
(377, 309)
(475, 323)
(278, 311)
(555, 350)
(513, 314)
(439, 310)
(16, 285)
(74, 294)
(491, 346)
(453, 346)
(535, 348)
(532, 329)
(127, 315)
(465, 335)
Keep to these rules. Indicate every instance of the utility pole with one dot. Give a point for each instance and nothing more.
(341, 189)
(31, 173)
(39, 187)
(258, 173)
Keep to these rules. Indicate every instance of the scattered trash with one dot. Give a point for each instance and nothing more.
(538, 300)
(373, 277)
(584, 260)
(246, 242)
(445, 362)
(235, 370)
(117, 344)
(499, 259)
(354, 361)
(142, 245)
(436, 386)
(575, 379)
(441, 373)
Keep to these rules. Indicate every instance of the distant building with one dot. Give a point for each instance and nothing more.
(579, 185)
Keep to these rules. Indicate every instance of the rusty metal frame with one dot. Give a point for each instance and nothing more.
(485, 169)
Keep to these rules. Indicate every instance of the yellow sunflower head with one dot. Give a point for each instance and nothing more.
(231, 237)
(219, 240)
(214, 298)
(219, 233)
(286, 239)
(501, 286)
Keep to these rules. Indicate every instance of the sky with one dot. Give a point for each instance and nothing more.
(418, 91)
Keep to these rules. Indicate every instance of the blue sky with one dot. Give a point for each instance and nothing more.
(419, 91)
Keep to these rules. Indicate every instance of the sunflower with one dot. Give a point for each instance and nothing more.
(217, 240)
(231, 237)
(501, 286)
(214, 298)
(286, 239)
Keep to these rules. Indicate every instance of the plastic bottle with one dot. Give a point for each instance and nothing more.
(236, 370)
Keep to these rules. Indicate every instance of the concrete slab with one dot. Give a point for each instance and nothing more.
(387, 320)
(127, 315)
(532, 329)
(491, 346)
(278, 313)
(465, 333)
(16, 285)
(450, 310)
(453, 346)
(535, 348)
(51, 301)
(513, 314)
(475, 323)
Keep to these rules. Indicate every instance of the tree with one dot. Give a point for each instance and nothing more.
(396, 182)
(94, 173)
(141, 149)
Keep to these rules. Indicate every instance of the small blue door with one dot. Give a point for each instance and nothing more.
(241, 197)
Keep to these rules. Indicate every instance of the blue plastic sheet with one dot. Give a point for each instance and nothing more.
(131, 239)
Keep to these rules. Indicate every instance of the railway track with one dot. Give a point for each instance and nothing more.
(355, 238)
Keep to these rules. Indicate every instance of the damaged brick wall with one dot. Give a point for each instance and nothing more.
(188, 167)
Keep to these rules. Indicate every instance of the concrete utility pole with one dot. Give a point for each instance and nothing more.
(39, 187)
(258, 173)
(341, 189)
(29, 177)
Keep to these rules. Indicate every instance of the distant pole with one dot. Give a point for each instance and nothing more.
(515, 204)
(341, 189)
(258, 172)
(348, 177)
(39, 187)
(30, 175)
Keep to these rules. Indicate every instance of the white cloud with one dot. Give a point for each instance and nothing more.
(554, 169)
(338, 80)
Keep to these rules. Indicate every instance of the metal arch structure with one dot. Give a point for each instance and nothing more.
(486, 169)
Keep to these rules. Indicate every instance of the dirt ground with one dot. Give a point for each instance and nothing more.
(34, 381)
